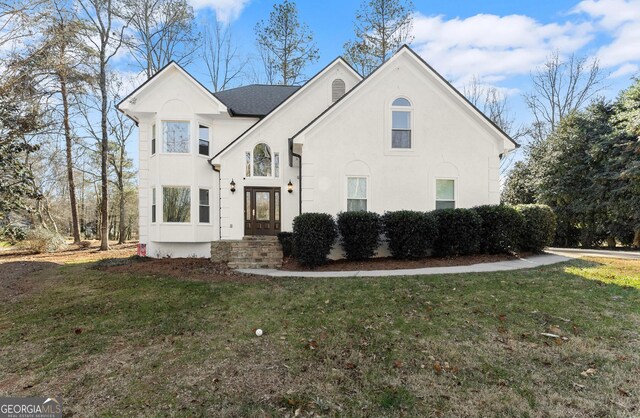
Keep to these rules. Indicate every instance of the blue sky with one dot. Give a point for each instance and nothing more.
(498, 41)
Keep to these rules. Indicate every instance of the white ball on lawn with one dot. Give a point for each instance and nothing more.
(258, 332)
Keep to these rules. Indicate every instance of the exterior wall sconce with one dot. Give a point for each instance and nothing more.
(233, 186)
(290, 187)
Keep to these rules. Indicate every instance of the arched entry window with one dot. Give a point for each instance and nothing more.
(261, 162)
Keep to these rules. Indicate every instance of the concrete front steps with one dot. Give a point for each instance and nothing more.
(251, 252)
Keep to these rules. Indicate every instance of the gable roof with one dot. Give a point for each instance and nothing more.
(280, 105)
(255, 99)
(156, 76)
(430, 68)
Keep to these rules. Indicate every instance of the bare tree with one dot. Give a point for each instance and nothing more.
(17, 20)
(106, 38)
(381, 27)
(286, 45)
(161, 31)
(220, 55)
(560, 87)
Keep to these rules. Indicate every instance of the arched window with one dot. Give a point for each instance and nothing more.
(401, 123)
(261, 162)
(337, 89)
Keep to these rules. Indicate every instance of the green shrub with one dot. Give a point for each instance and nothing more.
(286, 240)
(458, 232)
(360, 232)
(42, 240)
(539, 227)
(13, 233)
(410, 234)
(313, 237)
(500, 228)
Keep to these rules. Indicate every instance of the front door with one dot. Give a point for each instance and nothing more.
(261, 210)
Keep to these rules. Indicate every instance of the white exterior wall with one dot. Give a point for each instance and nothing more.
(275, 131)
(176, 98)
(448, 141)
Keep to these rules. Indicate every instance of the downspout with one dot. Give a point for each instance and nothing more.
(299, 157)
(219, 198)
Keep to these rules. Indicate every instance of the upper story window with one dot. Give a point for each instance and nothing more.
(153, 139)
(337, 89)
(203, 140)
(175, 137)
(261, 162)
(401, 124)
(445, 194)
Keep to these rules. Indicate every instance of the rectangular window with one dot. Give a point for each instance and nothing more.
(175, 137)
(247, 164)
(176, 202)
(203, 144)
(401, 129)
(276, 164)
(153, 205)
(153, 139)
(204, 206)
(356, 194)
(445, 194)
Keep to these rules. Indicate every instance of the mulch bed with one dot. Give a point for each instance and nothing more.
(388, 263)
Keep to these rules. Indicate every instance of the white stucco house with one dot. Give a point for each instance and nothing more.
(246, 161)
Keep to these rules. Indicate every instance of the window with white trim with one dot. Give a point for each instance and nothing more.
(176, 204)
(261, 162)
(175, 137)
(445, 194)
(205, 209)
(153, 139)
(356, 194)
(401, 123)
(203, 140)
(153, 205)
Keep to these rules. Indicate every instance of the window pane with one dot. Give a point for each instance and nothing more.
(153, 196)
(204, 214)
(204, 196)
(443, 204)
(247, 164)
(276, 198)
(401, 120)
(354, 205)
(153, 205)
(176, 204)
(203, 133)
(263, 206)
(276, 164)
(203, 147)
(247, 206)
(356, 188)
(175, 137)
(400, 139)
(153, 139)
(445, 190)
(262, 161)
(401, 101)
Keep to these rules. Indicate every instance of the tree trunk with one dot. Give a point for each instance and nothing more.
(104, 241)
(636, 239)
(75, 226)
(123, 227)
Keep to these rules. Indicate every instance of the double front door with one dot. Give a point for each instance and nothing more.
(261, 210)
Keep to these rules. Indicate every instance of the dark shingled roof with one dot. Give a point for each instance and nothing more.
(254, 99)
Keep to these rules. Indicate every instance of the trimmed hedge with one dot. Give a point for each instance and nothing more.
(410, 234)
(360, 232)
(539, 227)
(286, 241)
(458, 232)
(313, 237)
(500, 228)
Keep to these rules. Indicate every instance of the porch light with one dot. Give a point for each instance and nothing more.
(290, 187)
(233, 186)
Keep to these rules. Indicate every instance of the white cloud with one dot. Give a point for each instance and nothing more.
(226, 10)
(493, 47)
(626, 69)
(619, 19)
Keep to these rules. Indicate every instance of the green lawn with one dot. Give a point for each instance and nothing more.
(451, 345)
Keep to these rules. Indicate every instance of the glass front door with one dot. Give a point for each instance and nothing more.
(261, 210)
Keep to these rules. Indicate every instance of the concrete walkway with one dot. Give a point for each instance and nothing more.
(579, 252)
(523, 263)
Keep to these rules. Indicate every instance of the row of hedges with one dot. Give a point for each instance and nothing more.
(488, 229)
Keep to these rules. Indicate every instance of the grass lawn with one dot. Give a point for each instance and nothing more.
(123, 344)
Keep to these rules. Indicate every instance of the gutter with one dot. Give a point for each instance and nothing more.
(219, 197)
(299, 157)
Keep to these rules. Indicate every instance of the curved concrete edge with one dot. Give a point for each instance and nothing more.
(579, 253)
(523, 263)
